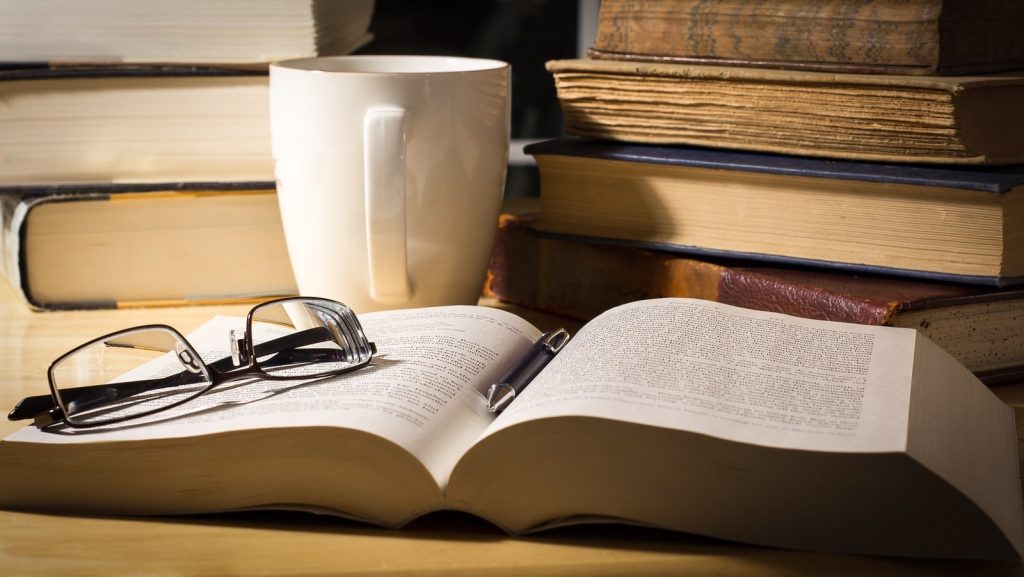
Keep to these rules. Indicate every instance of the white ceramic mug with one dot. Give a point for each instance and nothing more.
(390, 173)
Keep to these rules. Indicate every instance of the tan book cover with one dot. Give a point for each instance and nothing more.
(143, 244)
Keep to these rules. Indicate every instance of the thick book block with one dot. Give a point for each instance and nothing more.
(929, 222)
(879, 117)
(680, 414)
(118, 245)
(581, 278)
(882, 36)
(183, 31)
(101, 124)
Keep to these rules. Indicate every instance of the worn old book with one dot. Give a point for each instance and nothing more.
(118, 245)
(943, 223)
(183, 31)
(884, 36)
(677, 413)
(882, 117)
(134, 123)
(580, 278)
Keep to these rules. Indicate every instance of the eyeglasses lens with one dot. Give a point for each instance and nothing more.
(128, 374)
(307, 338)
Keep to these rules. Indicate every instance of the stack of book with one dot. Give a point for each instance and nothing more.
(854, 162)
(135, 163)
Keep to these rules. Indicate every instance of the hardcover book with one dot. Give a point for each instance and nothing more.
(100, 124)
(675, 413)
(118, 245)
(581, 278)
(881, 36)
(879, 117)
(183, 31)
(927, 222)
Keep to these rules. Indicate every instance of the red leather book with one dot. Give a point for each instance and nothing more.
(577, 278)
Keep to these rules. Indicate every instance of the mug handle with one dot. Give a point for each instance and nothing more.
(384, 190)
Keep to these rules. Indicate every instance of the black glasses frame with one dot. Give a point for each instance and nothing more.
(46, 410)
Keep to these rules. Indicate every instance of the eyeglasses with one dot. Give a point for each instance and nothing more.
(140, 371)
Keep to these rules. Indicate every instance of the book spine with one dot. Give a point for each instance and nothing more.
(842, 35)
(580, 280)
(748, 289)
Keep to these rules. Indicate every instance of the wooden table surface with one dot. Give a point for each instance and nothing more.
(275, 543)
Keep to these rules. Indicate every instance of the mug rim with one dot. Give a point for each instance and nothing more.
(385, 64)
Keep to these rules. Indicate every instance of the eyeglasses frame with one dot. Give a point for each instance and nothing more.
(56, 412)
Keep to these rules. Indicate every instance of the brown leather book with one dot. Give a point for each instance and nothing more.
(882, 36)
(980, 326)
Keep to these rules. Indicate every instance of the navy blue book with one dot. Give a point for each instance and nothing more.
(961, 224)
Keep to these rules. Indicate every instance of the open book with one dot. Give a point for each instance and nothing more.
(675, 413)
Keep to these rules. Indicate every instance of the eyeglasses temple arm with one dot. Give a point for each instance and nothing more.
(29, 407)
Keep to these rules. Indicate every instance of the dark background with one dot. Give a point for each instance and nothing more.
(524, 33)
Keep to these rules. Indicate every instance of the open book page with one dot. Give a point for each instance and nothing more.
(423, 391)
(736, 374)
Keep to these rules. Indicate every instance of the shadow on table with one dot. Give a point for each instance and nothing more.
(449, 526)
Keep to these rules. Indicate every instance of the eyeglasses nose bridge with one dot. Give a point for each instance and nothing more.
(187, 359)
(239, 352)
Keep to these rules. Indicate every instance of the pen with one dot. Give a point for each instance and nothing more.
(525, 369)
